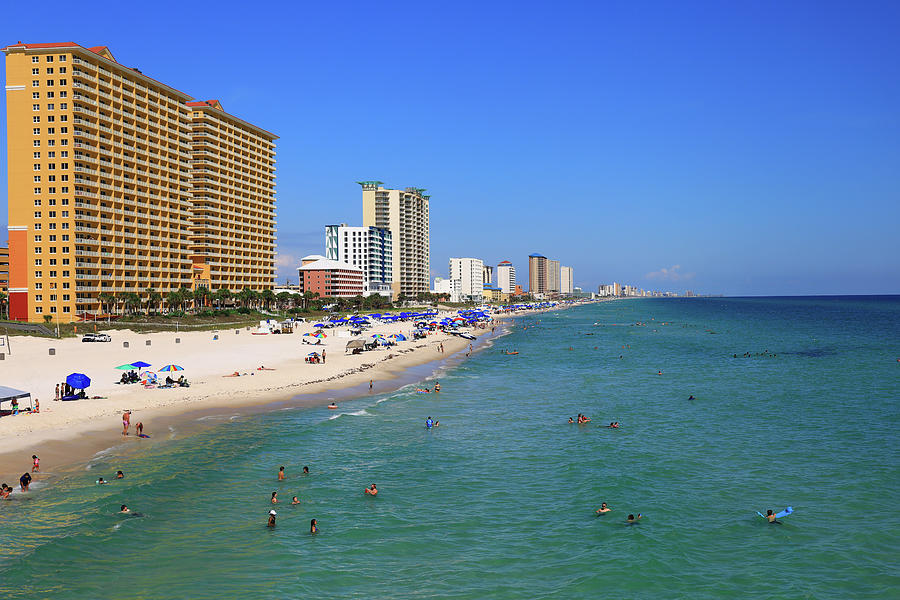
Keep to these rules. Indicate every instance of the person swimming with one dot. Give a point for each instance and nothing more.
(429, 423)
(101, 482)
(631, 520)
(306, 470)
(332, 405)
(437, 386)
(770, 517)
(295, 500)
(120, 475)
(271, 522)
(372, 490)
(603, 509)
(571, 420)
(124, 509)
(313, 526)
(281, 473)
(691, 397)
(274, 497)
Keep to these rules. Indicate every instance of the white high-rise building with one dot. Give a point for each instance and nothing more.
(470, 272)
(506, 277)
(451, 287)
(566, 283)
(405, 214)
(368, 248)
(552, 276)
(488, 276)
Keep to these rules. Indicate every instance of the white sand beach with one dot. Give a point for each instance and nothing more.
(62, 427)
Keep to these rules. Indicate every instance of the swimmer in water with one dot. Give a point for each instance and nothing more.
(631, 520)
(372, 490)
(306, 470)
(770, 517)
(295, 500)
(429, 423)
(313, 526)
(437, 386)
(101, 482)
(124, 509)
(332, 405)
(271, 522)
(120, 475)
(274, 497)
(691, 397)
(603, 509)
(281, 473)
(571, 421)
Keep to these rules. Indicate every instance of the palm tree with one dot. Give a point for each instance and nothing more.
(284, 300)
(173, 299)
(201, 296)
(222, 296)
(107, 299)
(3, 303)
(132, 301)
(246, 297)
(153, 299)
(268, 297)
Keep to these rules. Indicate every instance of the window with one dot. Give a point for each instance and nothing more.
(35, 59)
(65, 260)
(38, 286)
(62, 70)
(52, 202)
(66, 308)
(37, 214)
(37, 239)
(37, 250)
(62, 106)
(65, 226)
(65, 273)
(37, 202)
(36, 131)
(50, 131)
(64, 154)
(62, 58)
(53, 297)
(35, 119)
(36, 167)
(37, 226)
(50, 119)
(36, 155)
(63, 118)
(37, 190)
(37, 178)
(38, 274)
(35, 107)
(38, 309)
(50, 94)
(63, 130)
(36, 143)
(50, 178)
(35, 83)
(52, 273)
(52, 251)
(62, 82)
(35, 95)
(49, 107)
(65, 201)
(63, 93)
(52, 262)
(51, 142)
(53, 309)
(38, 298)
(65, 286)
(49, 59)
(65, 297)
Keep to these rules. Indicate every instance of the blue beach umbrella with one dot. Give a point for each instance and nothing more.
(319, 325)
(140, 364)
(78, 381)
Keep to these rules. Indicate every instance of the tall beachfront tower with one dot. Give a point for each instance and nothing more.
(537, 274)
(369, 248)
(552, 276)
(233, 220)
(566, 280)
(506, 277)
(99, 180)
(405, 213)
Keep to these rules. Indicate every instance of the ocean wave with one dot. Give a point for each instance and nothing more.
(357, 413)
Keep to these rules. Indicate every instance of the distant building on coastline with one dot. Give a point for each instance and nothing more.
(4, 270)
(330, 278)
(566, 284)
(406, 214)
(369, 248)
(450, 287)
(488, 276)
(537, 275)
(506, 277)
(553, 286)
(470, 273)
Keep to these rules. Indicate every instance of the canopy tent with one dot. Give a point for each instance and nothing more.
(8, 394)
(354, 344)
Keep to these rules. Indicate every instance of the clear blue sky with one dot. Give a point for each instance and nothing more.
(725, 147)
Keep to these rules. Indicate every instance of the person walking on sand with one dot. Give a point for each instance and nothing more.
(126, 422)
(139, 429)
(36, 467)
(56, 397)
(323, 356)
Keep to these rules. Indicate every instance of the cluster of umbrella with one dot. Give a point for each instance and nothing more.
(146, 375)
(318, 335)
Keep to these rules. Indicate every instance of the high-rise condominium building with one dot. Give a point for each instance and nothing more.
(566, 280)
(405, 214)
(233, 218)
(537, 274)
(369, 248)
(506, 277)
(553, 276)
(4, 270)
(470, 273)
(488, 276)
(101, 186)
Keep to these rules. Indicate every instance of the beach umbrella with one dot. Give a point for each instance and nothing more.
(319, 335)
(377, 335)
(125, 367)
(148, 377)
(172, 368)
(399, 337)
(313, 354)
(78, 381)
(140, 364)
(319, 325)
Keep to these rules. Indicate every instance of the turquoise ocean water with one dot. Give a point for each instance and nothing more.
(498, 502)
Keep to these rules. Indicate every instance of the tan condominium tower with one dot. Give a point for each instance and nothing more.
(101, 186)
(405, 214)
(233, 221)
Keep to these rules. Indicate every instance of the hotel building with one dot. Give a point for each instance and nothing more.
(506, 277)
(405, 213)
(330, 278)
(101, 186)
(553, 286)
(232, 241)
(4, 270)
(566, 281)
(470, 274)
(537, 275)
(369, 248)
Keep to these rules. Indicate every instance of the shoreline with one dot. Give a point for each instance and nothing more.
(63, 450)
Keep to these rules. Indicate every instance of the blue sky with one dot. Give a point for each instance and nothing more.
(724, 147)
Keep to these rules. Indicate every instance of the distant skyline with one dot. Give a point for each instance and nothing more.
(713, 146)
